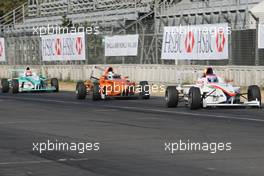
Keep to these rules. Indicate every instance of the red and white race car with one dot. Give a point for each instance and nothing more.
(211, 91)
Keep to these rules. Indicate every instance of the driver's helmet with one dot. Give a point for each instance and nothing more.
(110, 75)
(110, 69)
(212, 78)
(28, 72)
(208, 71)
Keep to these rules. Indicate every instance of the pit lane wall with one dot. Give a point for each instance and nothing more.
(158, 74)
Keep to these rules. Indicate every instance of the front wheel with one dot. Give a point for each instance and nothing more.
(195, 98)
(171, 97)
(15, 86)
(55, 83)
(96, 92)
(81, 91)
(254, 93)
(145, 92)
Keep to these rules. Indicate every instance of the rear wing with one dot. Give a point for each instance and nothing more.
(16, 73)
(102, 69)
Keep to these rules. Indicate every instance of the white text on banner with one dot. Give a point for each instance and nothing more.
(121, 45)
(201, 42)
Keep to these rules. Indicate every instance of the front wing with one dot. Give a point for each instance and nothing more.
(47, 89)
(244, 104)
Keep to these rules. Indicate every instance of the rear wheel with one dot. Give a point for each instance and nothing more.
(195, 98)
(96, 92)
(254, 93)
(15, 86)
(145, 93)
(171, 97)
(81, 90)
(55, 83)
(5, 85)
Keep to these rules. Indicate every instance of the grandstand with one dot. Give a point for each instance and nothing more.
(117, 14)
(104, 13)
(191, 12)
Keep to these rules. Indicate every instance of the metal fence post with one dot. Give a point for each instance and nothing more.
(256, 44)
(230, 62)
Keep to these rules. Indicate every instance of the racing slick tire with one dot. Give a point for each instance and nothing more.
(254, 93)
(145, 93)
(81, 90)
(195, 98)
(55, 83)
(171, 97)
(15, 86)
(5, 85)
(96, 92)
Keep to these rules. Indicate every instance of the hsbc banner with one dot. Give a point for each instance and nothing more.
(63, 47)
(201, 42)
(2, 50)
(121, 45)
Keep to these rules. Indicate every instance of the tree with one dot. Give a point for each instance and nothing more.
(66, 22)
(7, 6)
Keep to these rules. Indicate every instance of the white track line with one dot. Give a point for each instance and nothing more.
(192, 114)
(43, 161)
(146, 109)
(35, 121)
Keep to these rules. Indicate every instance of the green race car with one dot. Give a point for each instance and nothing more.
(33, 83)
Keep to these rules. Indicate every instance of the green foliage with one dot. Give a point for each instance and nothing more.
(66, 22)
(8, 5)
(95, 49)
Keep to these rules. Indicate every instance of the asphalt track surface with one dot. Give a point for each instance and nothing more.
(131, 133)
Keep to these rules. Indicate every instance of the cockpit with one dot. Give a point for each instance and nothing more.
(212, 79)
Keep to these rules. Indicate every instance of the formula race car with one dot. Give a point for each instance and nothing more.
(111, 85)
(28, 83)
(212, 91)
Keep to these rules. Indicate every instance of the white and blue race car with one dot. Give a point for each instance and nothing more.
(212, 91)
(32, 83)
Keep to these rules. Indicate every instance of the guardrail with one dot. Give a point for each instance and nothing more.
(162, 74)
